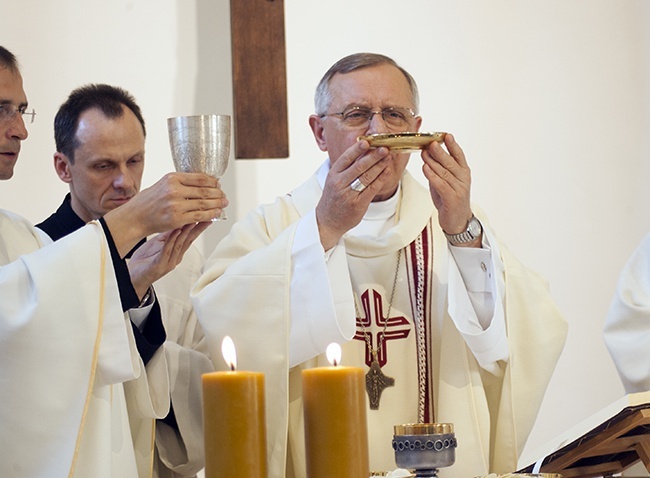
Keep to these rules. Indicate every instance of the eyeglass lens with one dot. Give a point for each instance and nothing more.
(393, 117)
(8, 114)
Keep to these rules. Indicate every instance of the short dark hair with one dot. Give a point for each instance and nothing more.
(8, 60)
(106, 98)
(353, 62)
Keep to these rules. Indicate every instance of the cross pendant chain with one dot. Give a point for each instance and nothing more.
(376, 382)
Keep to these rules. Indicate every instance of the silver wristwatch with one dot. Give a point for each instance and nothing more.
(473, 230)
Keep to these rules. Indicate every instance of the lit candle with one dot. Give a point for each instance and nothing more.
(234, 420)
(336, 433)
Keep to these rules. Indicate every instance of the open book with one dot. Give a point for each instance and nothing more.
(607, 442)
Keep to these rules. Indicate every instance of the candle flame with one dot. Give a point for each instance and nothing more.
(333, 353)
(229, 353)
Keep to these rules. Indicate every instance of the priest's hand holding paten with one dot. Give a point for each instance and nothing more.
(340, 207)
(450, 180)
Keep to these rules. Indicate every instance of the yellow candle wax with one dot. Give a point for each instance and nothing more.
(234, 424)
(336, 433)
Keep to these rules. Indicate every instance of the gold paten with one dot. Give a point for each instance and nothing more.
(403, 142)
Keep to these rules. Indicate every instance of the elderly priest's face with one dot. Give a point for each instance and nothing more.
(375, 88)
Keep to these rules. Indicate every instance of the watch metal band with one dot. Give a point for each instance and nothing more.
(467, 235)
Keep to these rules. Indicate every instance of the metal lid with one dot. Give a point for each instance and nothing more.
(424, 429)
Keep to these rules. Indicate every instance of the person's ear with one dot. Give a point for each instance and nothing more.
(418, 123)
(316, 125)
(62, 167)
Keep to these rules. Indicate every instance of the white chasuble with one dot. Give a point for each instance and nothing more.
(387, 321)
(628, 321)
(178, 451)
(248, 280)
(65, 351)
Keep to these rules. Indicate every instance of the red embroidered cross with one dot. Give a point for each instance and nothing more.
(391, 323)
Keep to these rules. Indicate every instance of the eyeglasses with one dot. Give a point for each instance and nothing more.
(8, 113)
(358, 116)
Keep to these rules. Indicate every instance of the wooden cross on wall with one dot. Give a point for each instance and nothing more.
(261, 128)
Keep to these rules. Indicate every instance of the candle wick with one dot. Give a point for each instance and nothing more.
(335, 362)
(232, 367)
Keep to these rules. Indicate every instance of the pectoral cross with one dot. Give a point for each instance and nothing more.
(376, 382)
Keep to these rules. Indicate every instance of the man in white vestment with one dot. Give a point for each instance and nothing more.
(76, 397)
(452, 325)
(627, 328)
(100, 138)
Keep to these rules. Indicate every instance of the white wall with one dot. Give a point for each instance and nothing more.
(549, 100)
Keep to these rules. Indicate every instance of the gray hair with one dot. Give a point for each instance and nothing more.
(357, 61)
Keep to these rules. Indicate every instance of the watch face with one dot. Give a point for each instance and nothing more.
(474, 228)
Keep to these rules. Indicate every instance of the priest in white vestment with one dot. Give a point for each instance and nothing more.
(100, 138)
(627, 328)
(469, 336)
(69, 368)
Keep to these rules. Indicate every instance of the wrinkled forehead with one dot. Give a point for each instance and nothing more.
(376, 86)
(11, 88)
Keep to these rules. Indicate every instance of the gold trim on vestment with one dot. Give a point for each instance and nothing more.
(93, 369)
(153, 444)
